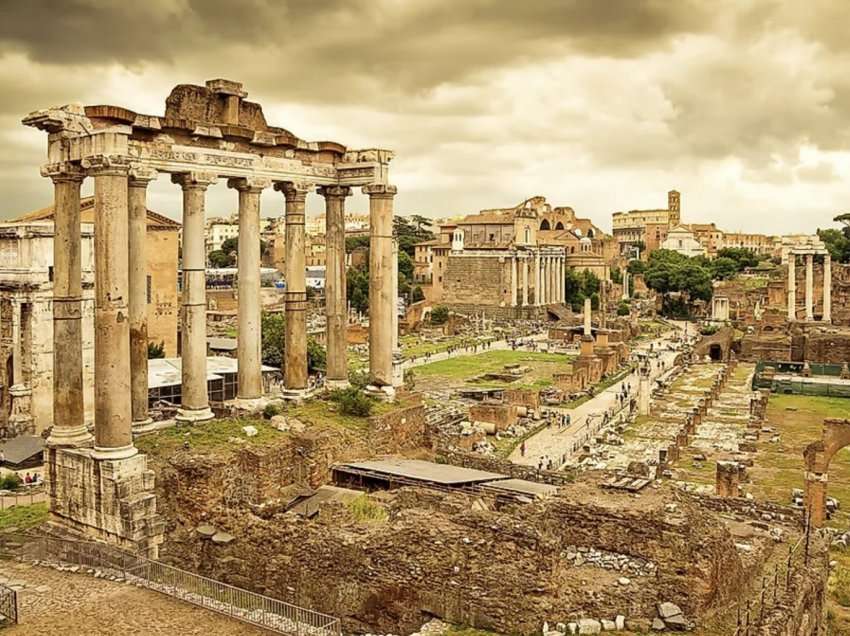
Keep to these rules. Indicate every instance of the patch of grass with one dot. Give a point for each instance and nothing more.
(367, 511)
(23, 517)
(542, 366)
(208, 436)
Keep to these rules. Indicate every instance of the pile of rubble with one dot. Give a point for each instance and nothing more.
(610, 561)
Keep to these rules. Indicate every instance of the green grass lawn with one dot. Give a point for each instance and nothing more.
(779, 466)
(413, 347)
(543, 365)
(23, 517)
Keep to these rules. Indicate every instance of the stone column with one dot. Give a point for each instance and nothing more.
(553, 280)
(524, 278)
(113, 416)
(396, 349)
(625, 295)
(588, 325)
(69, 428)
(810, 284)
(538, 300)
(295, 334)
(249, 388)
(17, 344)
(514, 300)
(138, 300)
(335, 285)
(562, 272)
(380, 285)
(827, 288)
(195, 403)
(792, 287)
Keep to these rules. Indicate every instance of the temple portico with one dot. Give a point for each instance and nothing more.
(808, 254)
(100, 485)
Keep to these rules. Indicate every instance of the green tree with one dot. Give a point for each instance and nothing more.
(418, 294)
(405, 265)
(409, 232)
(272, 329)
(723, 268)
(317, 356)
(353, 242)
(439, 315)
(357, 288)
(219, 258)
(616, 275)
(741, 255)
(230, 245)
(837, 243)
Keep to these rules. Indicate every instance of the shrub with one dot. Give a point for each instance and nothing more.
(352, 401)
(439, 315)
(271, 410)
(708, 330)
(623, 309)
(11, 481)
(156, 350)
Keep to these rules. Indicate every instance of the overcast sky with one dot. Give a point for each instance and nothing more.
(601, 105)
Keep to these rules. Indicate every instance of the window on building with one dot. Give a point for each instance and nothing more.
(148, 286)
(50, 273)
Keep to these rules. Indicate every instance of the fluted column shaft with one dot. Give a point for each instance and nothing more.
(792, 287)
(138, 298)
(295, 307)
(810, 284)
(195, 403)
(827, 288)
(380, 283)
(537, 296)
(249, 383)
(336, 301)
(524, 265)
(112, 409)
(514, 284)
(69, 428)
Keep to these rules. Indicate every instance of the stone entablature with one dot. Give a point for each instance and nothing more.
(208, 133)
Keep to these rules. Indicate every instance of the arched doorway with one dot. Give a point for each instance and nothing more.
(836, 435)
(715, 352)
(544, 224)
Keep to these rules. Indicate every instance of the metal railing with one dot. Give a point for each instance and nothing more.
(249, 607)
(750, 615)
(8, 605)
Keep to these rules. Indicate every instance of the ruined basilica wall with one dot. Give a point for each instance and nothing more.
(477, 280)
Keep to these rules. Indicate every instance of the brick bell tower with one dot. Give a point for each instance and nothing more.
(674, 202)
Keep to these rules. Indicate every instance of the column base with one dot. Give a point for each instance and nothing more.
(120, 452)
(385, 393)
(193, 416)
(142, 426)
(296, 395)
(249, 405)
(332, 385)
(70, 437)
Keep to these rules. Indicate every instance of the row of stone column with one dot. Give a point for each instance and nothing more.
(121, 388)
(809, 290)
(548, 272)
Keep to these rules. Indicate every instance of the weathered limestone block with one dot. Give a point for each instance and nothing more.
(105, 500)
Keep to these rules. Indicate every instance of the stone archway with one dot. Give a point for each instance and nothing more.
(544, 224)
(715, 352)
(836, 435)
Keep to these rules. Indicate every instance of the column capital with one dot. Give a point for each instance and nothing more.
(335, 191)
(141, 176)
(63, 171)
(194, 180)
(295, 191)
(380, 190)
(249, 184)
(105, 165)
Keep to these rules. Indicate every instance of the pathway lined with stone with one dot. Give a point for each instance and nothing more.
(556, 443)
(61, 603)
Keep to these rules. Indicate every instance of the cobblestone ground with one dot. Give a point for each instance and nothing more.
(54, 602)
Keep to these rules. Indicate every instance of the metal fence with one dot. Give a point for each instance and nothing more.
(8, 605)
(751, 615)
(249, 607)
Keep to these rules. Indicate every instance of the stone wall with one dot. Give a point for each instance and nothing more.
(477, 280)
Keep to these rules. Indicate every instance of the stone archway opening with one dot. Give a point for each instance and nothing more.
(544, 224)
(715, 352)
(817, 455)
(559, 226)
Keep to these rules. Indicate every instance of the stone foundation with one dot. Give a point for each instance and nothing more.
(104, 500)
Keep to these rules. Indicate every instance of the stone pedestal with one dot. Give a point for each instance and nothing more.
(104, 500)
(20, 420)
(727, 479)
(644, 394)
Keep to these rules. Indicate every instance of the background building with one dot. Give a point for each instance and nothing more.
(26, 313)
